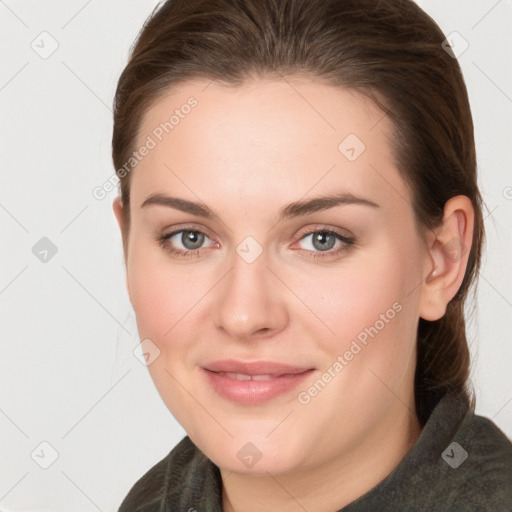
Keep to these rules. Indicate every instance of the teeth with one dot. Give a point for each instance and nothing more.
(242, 376)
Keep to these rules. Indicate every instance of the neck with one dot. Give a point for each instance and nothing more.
(336, 483)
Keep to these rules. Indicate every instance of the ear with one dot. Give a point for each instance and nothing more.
(118, 206)
(448, 246)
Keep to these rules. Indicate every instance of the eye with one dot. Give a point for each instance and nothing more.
(321, 244)
(191, 242)
(323, 241)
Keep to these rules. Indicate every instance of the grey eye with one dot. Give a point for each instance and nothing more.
(192, 239)
(321, 240)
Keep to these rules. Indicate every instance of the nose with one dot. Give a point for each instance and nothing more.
(251, 301)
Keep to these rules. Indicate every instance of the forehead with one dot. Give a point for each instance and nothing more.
(265, 136)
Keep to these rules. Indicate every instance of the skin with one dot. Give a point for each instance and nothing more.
(246, 152)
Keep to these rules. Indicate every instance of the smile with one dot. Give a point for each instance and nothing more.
(242, 376)
(253, 389)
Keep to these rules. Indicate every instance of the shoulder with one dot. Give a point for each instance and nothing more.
(490, 443)
(148, 493)
(461, 462)
(488, 447)
(477, 467)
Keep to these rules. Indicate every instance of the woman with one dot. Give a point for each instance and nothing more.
(301, 226)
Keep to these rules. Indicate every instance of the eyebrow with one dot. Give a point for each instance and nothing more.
(295, 209)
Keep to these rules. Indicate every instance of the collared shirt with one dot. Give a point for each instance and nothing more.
(461, 462)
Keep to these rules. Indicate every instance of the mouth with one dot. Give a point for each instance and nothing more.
(253, 383)
(255, 368)
(242, 376)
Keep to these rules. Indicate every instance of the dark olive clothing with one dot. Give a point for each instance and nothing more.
(460, 463)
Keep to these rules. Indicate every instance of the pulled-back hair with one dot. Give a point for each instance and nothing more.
(388, 50)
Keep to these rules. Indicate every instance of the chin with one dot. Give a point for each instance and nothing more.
(253, 453)
(274, 463)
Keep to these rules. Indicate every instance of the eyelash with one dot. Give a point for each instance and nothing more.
(348, 243)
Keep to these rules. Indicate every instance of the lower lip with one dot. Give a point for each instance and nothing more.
(254, 392)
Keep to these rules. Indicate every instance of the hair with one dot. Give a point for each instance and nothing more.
(389, 50)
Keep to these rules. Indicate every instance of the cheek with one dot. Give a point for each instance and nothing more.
(159, 293)
(152, 302)
(372, 307)
(356, 295)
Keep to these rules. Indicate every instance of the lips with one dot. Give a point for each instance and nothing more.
(255, 368)
(253, 383)
(244, 376)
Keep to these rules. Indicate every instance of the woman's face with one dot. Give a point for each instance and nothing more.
(252, 283)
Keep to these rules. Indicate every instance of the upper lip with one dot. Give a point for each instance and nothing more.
(254, 367)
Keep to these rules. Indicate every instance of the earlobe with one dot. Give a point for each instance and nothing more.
(448, 252)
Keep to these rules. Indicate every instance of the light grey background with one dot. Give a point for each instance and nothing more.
(68, 373)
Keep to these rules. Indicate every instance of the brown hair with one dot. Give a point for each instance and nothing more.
(389, 50)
